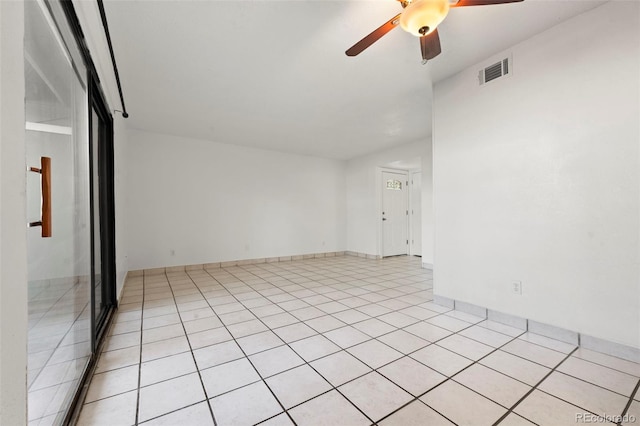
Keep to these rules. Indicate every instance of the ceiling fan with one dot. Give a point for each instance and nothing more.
(420, 18)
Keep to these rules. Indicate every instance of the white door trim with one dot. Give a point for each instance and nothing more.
(412, 206)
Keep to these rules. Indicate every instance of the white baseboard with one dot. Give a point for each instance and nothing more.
(558, 333)
(471, 309)
(610, 348)
(507, 319)
(363, 255)
(554, 332)
(230, 263)
(444, 301)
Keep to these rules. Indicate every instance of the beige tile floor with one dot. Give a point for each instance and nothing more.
(336, 341)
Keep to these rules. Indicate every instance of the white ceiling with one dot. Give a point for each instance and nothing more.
(273, 74)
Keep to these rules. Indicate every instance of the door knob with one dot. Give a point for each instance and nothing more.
(384, 218)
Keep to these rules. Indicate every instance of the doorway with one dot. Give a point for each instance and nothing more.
(394, 213)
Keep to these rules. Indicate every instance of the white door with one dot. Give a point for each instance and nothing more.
(415, 214)
(395, 238)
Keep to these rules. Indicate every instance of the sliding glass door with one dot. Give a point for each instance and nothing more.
(70, 286)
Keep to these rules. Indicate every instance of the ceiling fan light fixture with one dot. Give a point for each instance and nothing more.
(422, 17)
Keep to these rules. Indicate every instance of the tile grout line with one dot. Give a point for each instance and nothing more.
(342, 349)
(568, 402)
(526, 395)
(372, 369)
(554, 369)
(170, 412)
(140, 356)
(374, 338)
(608, 367)
(317, 333)
(628, 405)
(206, 396)
(592, 384)
(304, 363)
(513, 338)
(417, 320)
(324, 356)
(448, 378)
(370, 337)
(236, 342)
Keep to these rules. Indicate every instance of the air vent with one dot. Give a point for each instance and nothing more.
(494, 71)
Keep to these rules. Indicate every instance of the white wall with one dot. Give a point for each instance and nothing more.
(363, 202)
(13, 238)
(537, 179)
(193, 201)
(120, 141)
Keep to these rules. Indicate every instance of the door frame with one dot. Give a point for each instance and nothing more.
(106, 205)
(412, 205)
(379, 203)
(96, 99)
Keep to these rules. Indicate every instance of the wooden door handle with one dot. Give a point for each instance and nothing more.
(45, 181)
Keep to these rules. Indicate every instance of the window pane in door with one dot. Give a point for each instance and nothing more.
(59, 340)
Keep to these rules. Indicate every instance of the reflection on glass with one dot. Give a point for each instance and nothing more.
(59, 343)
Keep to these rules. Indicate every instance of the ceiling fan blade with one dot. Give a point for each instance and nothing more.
(373, 37)
(430, 45)
(462, 3)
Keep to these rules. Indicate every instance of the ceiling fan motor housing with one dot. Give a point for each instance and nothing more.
(422, 17)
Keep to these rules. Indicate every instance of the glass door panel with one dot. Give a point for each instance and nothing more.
(59, 265)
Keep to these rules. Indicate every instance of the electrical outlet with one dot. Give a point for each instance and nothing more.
(516, 287)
